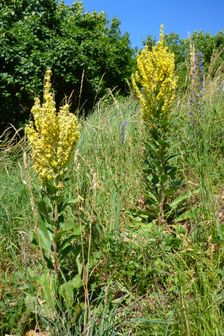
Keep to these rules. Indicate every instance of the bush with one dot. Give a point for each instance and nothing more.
(86, 53)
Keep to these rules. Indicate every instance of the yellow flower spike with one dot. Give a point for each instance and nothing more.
(154, 82)
(52, 136)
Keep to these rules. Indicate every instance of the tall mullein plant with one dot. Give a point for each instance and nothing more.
(52, 137)
(154, 83)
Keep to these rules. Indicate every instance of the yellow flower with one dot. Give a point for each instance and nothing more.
(52, 136)
(154, 81)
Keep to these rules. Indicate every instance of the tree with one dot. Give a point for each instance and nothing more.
(87, 55)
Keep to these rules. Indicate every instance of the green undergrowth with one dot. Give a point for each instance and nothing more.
(140, 278)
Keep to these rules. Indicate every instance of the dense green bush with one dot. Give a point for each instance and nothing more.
(86, 53)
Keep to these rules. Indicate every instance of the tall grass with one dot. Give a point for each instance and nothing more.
(141, 279)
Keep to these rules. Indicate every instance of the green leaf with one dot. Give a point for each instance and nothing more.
(151, 196)
(45, 206)
(44, 240)
(181, 198)
(66, 203)
(77, 281)
(66, 290)
(31, 303)
(65, 251)
(70, 226)
(48, 283)
(66, 242)
(79, 264)
(189, 214)
(49, 262)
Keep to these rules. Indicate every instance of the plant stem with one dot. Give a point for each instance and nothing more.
(161, 208)
(162, 187)
(55, 247)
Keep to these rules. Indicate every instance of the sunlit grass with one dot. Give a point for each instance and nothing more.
(143, 279)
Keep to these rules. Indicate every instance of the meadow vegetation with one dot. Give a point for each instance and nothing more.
(138, 277)
(117, 228)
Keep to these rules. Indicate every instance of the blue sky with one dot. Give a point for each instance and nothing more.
(142, 17)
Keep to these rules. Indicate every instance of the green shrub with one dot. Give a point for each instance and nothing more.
(87, 55)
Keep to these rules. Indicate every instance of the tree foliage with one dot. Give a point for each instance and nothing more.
(87, 55)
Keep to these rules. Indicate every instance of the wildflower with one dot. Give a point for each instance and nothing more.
(52, 136)
(154, 81)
